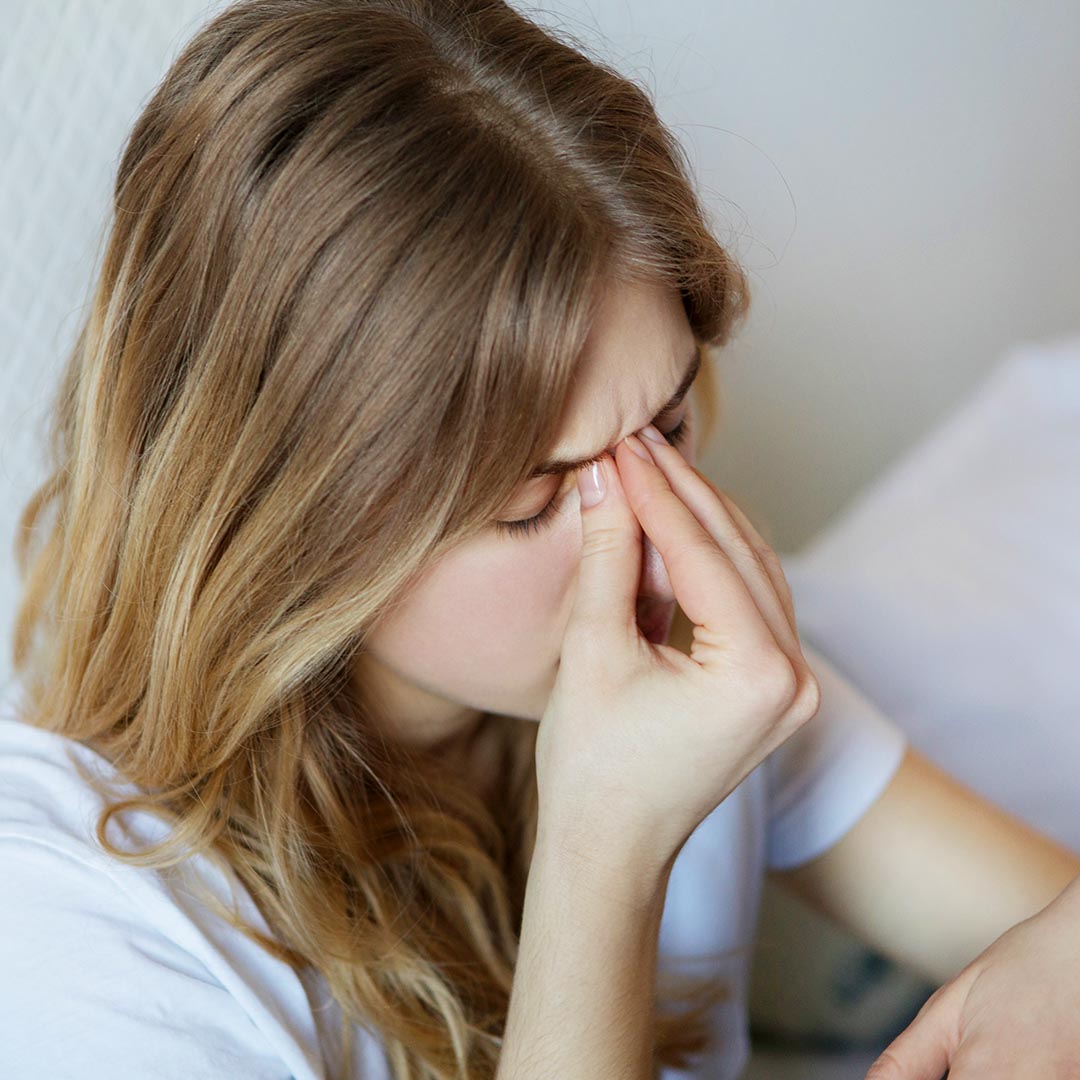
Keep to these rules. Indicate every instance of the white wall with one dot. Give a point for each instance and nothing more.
(903, 180)
(900, 179)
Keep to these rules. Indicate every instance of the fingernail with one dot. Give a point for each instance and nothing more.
(590, 484)
(650, 432)
(636, 445)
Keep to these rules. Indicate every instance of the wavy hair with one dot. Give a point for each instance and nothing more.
(348, 237)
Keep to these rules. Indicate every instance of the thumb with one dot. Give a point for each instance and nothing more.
(923, 1050)
(605, 605)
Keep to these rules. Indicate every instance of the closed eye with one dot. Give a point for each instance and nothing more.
(538, 521)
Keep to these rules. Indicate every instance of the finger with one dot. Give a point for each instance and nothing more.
(922, 1051)
(765, 552)
(715, 512)
(707, 584)
(605, 603)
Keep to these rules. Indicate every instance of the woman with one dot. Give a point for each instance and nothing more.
(335, 521)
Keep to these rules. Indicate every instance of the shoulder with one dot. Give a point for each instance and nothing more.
(92, 987)
(112, 968)
(44, 793)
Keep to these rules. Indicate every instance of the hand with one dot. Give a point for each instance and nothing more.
(639, 742)
(1012, 1014)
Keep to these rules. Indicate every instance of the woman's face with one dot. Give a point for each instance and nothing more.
(482, 629)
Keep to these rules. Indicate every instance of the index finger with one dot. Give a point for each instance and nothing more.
(707, 585)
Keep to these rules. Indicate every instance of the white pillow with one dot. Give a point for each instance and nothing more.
(950, 591)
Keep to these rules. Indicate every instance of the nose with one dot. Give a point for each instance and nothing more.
(655, 583)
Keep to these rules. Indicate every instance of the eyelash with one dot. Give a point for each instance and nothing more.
(538, 521)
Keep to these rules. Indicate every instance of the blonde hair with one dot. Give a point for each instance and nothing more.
(348, 237)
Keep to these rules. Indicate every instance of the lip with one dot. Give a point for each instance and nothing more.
(655, 622)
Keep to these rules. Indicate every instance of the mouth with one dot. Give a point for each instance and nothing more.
(654, 621)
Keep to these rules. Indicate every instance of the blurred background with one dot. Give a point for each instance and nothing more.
(901, 181)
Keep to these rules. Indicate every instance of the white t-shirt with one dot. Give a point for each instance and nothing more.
(109, 972)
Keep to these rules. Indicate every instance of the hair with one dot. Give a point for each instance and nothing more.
(348, 237)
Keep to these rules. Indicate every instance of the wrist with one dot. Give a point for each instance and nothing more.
(623, 867)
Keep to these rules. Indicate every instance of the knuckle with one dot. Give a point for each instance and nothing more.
(808, 697)
(601, 540)
(755, 551)
(701, 545)
(745, 551)
(655, 492)
(770, 559)
(693, 550)
(777, 679)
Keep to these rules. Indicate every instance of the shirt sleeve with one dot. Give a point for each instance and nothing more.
(91, 990)
(827, 775)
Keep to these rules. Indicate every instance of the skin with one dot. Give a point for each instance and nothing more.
(482, 630)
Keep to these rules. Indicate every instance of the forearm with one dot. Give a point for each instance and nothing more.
(977, 874)
(933, 873)
(583, 997)
(987, 892)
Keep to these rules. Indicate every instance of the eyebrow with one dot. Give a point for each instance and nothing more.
(559, 466)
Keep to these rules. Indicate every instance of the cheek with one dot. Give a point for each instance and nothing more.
(489, 613)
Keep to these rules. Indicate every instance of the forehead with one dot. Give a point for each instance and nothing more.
(633, 360)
